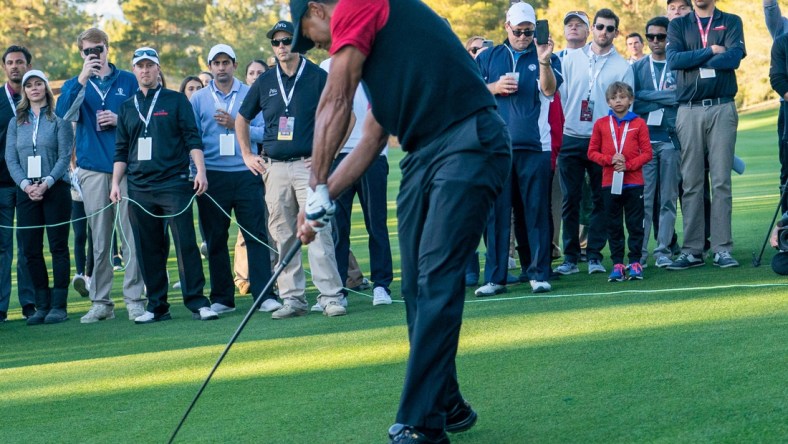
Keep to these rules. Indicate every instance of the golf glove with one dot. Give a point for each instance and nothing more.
(319, 207)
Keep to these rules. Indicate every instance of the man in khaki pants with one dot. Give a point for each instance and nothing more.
(288, 96)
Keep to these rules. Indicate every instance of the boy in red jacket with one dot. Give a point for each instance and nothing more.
(620, 143)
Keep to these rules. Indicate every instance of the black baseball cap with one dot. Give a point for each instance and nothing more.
(282, 25)
(301, 44)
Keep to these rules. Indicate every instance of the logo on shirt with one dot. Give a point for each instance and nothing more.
(532, 67)
(719, 28)
(120, 92)
(272, 92)
(161, 113)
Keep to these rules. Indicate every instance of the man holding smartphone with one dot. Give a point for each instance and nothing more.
(92, 100)
(523, 74)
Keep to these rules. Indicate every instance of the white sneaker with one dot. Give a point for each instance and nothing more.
(380, 296)
(149, 318)
(319, 308)
(206, 314)
(540, 286)
(490, 289)
(98, 312)
(135, 309)
(334, 308)
(81, 284)
(270, 305)
(221, 308)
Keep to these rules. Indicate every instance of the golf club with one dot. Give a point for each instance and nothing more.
(282, 264)
(756, 261)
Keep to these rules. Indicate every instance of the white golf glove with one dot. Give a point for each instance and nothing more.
(319, 207)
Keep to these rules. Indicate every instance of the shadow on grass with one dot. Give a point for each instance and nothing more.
(713, 382)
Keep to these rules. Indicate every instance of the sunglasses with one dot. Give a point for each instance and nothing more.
(609, 28)
(94, 50)
(146, 52)
(287, 41)
(657, 37)
(474, 49)
(527, 32)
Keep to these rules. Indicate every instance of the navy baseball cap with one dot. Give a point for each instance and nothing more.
(301, 44)
(282, 25)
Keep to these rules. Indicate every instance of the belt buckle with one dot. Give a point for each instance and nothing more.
(707, 103)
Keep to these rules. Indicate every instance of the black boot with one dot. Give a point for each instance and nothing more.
(58, 312)
(42, 307)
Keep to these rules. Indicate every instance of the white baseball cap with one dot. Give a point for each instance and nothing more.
(145, 53)
(35, 73)
(520, 13)
(221, 49)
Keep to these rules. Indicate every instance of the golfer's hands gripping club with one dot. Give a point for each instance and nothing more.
(317, 214)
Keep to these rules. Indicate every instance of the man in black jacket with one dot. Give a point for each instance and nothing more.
(156, 135)
(16, 62)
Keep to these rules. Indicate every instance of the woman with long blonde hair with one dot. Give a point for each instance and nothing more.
(38, 147)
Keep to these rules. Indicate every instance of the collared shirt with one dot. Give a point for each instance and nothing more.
(265, 95)
(204, 106)
(525, 112)
(174, 132)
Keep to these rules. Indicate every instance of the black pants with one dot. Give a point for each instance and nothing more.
(242, 192)
(371, 190)
(573, 164)
(83, 239)
(531, 179)
(446, 191)
(55, 208)
(149, 237)
(625, 207)
(783, 152)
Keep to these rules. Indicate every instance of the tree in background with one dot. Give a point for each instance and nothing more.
(173, 27)
(45, 27)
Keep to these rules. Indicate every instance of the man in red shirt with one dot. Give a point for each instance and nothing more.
(458, 157)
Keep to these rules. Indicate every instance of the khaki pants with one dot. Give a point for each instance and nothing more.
(285, 194)
(95, 194)
(707, 131)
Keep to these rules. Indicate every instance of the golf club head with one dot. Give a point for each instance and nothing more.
(756, 262)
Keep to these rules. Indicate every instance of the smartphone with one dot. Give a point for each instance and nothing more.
(487, 43)
(542, 32)
(97, 50)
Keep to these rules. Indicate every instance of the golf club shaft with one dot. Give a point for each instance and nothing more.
(282, 264)
(757, 262)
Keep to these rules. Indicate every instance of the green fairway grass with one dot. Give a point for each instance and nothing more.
(689, 356)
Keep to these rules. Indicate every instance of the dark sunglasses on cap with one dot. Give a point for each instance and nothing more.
(527, 32)
(287, 41)
(475, 49)
(145, 52)
(609, 28)
(657, 37)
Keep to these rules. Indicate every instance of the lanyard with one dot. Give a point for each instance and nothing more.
(219, 101)
(150, 110)
(704, 35)
(98, 90)
(37, 118)
(619, 148)
(661, 85)
(10, 99)
(288, 97)
(592, 60)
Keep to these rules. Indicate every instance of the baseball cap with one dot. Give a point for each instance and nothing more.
(301, 44)
(145, 53)
(519, 13)
(221, 49)
(578, 14)
(687, 2)
(35, 73)
(282, 25)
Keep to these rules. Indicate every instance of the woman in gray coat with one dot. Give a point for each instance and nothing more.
(37, 152)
